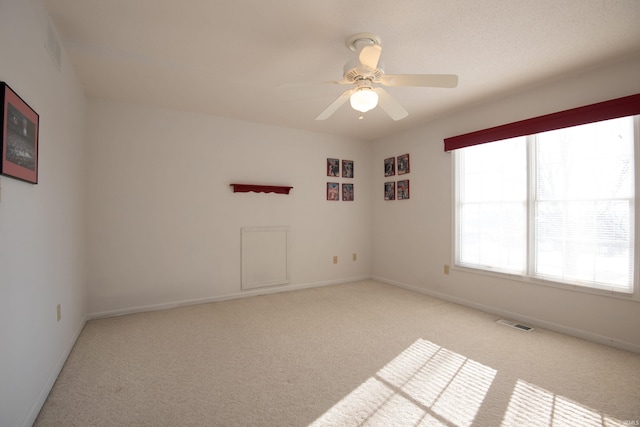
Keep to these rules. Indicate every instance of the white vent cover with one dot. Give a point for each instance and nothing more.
(265, 255)
(515, 325)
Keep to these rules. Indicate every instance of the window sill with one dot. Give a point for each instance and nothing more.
(635, 297)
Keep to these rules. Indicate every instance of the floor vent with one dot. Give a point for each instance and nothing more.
(515, 325)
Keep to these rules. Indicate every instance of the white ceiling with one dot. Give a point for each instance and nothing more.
(229, 57)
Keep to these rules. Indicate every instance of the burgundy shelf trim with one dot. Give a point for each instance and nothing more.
(245, 188)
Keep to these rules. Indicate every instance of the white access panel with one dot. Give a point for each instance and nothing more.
(265, 256)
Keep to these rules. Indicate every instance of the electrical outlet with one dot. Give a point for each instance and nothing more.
(335, 259)
(446, 269)
(59, 310)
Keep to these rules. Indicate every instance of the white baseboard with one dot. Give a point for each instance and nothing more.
(238, 295)
(46, 389)
(578, 333)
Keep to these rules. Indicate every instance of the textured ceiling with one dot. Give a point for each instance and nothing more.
(228, 58)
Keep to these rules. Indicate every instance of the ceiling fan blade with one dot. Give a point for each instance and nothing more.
(333, 107)
(390, 105)
(422, 80)
(369, 56)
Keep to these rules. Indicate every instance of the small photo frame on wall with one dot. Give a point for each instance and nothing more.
(403, 189)
(333, 167)
(390, 190)
(403, 164)
(390, 166)
(19, 138)
(347, 168)
(347, 192)
(333, 191)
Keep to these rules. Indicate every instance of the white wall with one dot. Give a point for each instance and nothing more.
(412, 239)
(42, 227)
(164, 224)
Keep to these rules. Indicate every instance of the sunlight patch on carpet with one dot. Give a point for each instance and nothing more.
(534, 406)
(426, 385)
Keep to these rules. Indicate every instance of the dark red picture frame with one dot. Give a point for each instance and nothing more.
(403, 189)
(19, 138)
(333, 167)
(403, 164)
(390, 190)
(347, 168)
(333, 191)
(347, 192)
(390, 166)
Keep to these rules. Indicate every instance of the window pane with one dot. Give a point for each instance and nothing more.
(586, 162)
(494, 172)
(584, 204)
(584, 242)
(492, 188)
(492, 235)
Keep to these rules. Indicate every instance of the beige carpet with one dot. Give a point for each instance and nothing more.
(347, 355)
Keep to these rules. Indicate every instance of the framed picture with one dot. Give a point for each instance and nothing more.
(390, 166)
(347, 192)
(347, 168)
(403, 164)
(333, 191)
(403, 189)
(390, 190)
(333, 167)
(19, 139)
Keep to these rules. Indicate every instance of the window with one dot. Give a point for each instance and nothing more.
(556, 205)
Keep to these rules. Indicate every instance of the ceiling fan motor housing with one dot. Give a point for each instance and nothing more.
(352, 73)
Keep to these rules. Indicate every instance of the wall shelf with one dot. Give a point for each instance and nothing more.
(245, 188)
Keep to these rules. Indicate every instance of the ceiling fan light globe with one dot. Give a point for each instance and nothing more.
(364, 100)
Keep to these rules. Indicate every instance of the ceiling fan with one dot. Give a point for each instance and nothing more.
(366, 71)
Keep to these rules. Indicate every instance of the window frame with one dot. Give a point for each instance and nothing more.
(527, 277)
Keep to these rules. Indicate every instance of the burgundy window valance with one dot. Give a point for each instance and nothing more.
(615, 108)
